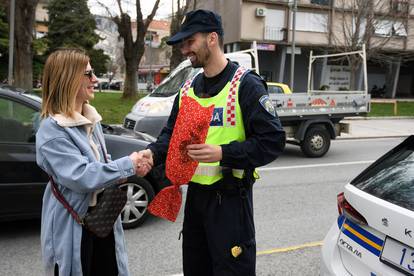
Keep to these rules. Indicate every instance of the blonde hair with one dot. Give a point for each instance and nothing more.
(62, 78)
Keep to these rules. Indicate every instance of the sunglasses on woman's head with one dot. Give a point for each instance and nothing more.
(89, 73)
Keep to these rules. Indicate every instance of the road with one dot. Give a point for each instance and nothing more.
(295, 204)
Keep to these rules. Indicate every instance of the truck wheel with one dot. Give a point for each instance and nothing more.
(139, 193)
(316, 142)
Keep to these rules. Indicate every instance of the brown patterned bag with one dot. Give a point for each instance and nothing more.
(101, 219)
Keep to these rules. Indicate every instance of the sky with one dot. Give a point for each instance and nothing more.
(164, 9)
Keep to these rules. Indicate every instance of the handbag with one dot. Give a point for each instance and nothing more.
(101, 218)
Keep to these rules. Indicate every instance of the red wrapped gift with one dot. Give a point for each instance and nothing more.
(191, 127)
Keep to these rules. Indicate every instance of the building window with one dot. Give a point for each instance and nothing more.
(320, 2)
(387, 28)
(399, 6)
(274, 25)
(311, 22)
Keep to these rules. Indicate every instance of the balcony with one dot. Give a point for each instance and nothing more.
(273, 33)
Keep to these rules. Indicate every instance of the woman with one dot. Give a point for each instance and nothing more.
(70, 148)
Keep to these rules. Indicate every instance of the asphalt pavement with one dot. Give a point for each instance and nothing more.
(373, 127)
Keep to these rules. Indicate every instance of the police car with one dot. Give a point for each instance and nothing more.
(374, 232)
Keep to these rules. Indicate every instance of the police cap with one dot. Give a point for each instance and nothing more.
(198, 21)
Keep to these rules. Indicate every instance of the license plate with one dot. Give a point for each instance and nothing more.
(399, 255)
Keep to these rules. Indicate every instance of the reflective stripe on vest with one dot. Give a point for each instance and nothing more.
(230, 125)
(215, 170)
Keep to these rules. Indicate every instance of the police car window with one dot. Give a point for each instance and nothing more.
(172, 86)
(18, 123)
(392, 179)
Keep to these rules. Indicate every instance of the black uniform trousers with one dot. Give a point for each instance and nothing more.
(217, 218)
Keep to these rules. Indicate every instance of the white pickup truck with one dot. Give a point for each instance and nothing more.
(310, 119)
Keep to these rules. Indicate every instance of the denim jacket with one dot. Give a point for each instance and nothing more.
(64, 152)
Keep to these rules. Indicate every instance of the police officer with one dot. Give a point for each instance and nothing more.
(244, 133)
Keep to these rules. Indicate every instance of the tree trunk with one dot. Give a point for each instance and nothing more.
(130, 83)
(23, 58)
(131, 70)
(133, 53)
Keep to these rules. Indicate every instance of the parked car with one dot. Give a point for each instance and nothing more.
(278, 88)
(22, 182)
(374, 232)
(117, 85)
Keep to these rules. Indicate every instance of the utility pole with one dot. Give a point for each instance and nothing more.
(11, 42)
(150, 58)
(292, 48)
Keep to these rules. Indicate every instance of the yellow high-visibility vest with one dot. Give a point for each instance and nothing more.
(226, 125)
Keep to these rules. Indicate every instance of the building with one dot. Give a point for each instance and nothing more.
(41, 19)
(155, 63)
(323, 26)
(112, 45)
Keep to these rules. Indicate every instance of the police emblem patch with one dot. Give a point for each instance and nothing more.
(267, 105)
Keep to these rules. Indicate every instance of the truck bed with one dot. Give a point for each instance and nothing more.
(296, 106)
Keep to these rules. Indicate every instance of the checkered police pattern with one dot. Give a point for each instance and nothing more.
(186, 86)
(231, 99)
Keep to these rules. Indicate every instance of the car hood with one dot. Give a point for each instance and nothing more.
(127, 133)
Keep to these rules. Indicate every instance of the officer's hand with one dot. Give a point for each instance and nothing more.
(205, 153)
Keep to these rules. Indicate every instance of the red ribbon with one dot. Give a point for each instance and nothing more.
(191, 127)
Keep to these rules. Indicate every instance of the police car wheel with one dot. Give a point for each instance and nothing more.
(139, 195)
(316, 142)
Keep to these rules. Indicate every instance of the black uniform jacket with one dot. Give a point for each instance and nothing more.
(265, 137)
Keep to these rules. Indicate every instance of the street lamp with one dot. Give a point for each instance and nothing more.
(150, 58)
(294, 7)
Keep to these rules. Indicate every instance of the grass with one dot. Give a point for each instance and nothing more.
(112, 107)
(387, 109)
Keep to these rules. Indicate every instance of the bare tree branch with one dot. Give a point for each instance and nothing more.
(102, 5)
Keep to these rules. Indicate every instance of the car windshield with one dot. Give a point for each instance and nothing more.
(172, 85)
(392, 178)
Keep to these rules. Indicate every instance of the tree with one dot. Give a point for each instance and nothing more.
(99, 61)
(133, 47)
(71, 24)
(23, 38)
(177, 18)
(381, 25)
(4, 43)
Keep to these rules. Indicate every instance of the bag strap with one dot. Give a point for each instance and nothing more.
(62, 199)
(65, 204)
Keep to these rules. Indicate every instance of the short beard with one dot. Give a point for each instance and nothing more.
(205, 54)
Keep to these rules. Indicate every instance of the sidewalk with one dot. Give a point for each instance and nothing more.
(374, 127)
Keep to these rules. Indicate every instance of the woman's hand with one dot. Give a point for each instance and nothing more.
(142, 162)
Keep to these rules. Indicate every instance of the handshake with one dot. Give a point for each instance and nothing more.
(142, 161)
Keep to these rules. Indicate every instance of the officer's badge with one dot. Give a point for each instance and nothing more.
(236, 251)
(267, 105)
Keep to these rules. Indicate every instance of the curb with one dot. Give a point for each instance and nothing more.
(372, 137)
(380, 118)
